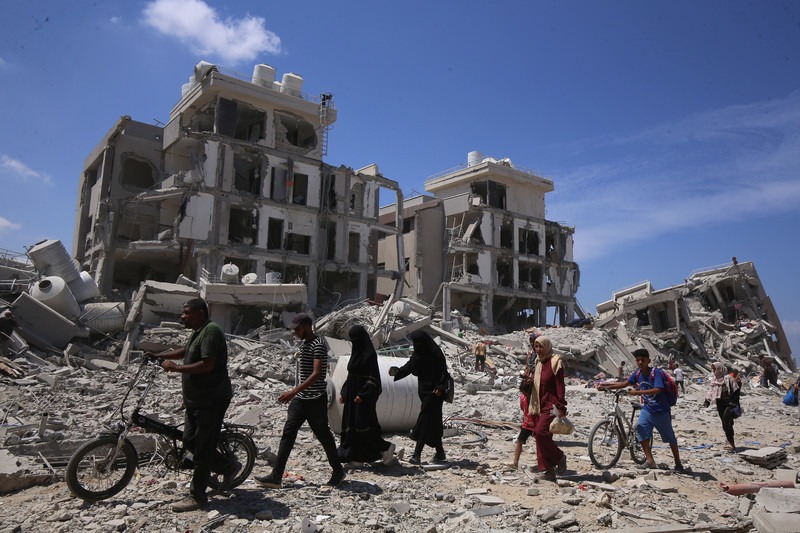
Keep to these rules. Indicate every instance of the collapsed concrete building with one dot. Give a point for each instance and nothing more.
(720, 313)
(235, 178)
(503, 264)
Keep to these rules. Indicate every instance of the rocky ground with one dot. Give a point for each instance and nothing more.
(476, 490)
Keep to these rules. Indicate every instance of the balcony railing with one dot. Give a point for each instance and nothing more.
(496, 162)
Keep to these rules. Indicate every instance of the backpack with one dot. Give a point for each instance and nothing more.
(670, 388)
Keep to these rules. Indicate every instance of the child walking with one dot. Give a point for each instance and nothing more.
(527, 419)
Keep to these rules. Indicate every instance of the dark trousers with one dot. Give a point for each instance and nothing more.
(201, 430)
(726, 415)
(680, 383)
(315, 412)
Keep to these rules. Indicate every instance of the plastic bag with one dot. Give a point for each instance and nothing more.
(561, 425)
(790, 398)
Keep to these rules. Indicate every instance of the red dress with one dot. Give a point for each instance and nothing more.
(551, 392)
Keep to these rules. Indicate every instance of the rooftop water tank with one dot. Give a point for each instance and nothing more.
(51, 259)
(474, 158)
(264, 75)
(273, 278)
(202, 69)
(53, 292)
(292, 84)
(398, 405)
(230, 273)
(84, 287)
(105, 317)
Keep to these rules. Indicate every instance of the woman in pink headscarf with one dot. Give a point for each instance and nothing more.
(724, 390)
(548, 391)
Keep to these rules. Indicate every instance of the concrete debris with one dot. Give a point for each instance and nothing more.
(68, 389)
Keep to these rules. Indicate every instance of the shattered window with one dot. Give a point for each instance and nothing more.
(298, 243)
(274, 234)
(300, 189)
(243, 226)
(137, 173)
(295, 130)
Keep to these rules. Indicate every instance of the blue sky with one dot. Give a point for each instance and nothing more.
(671, 130)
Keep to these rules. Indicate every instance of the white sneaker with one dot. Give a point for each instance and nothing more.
(388, 455)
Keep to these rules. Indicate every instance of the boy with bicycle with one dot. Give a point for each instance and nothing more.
(655, 407)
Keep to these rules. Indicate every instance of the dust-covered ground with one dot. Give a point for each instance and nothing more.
(476, 490)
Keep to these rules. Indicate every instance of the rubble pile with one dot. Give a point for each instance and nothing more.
(66, 396)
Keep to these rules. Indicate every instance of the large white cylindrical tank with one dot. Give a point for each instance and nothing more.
(105, 317)
(230, 273)
(84, 288)
(474, 158)
(51, 259)
(264, 75)
(273, 278)
(398, 405)
(401, 309)
(55, 294)
(292, 84)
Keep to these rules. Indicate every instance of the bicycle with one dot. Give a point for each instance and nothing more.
(609, 436)
(105, 465)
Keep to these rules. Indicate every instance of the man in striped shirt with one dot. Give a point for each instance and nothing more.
(308, 402)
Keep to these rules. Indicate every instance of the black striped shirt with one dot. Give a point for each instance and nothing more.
(309, 351)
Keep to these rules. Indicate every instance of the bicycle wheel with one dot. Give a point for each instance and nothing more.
(605, 444)
(96, 470)
(637, 453)
(241, 447)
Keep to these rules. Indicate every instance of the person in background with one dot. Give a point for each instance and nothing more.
(361, 430)
(531, 354)
(679, 377)
(207, 394)
(770, 375)
(724, 391)
(480, 356)
(525, 387)
(547, 392)
(7, 324)
(308, 402)
(429, 365)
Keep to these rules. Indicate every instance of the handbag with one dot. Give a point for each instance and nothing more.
(449, 389)
(737, 411)
(791, 397)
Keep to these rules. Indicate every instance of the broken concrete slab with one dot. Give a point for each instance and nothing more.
(780, 500)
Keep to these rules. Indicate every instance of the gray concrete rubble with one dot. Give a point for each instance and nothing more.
(60, 396)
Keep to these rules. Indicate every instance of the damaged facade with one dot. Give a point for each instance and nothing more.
(235, 178)
(720, 313)
(504, 263)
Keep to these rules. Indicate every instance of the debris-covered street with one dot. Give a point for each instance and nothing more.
(59, 400)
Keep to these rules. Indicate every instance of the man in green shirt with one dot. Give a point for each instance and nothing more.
(206, 395)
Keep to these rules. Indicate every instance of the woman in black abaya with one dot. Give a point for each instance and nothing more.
(429, 365)
(361, 431)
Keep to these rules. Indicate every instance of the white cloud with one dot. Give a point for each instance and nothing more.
(116, 20)
(713, 167)
(2, 62)
(791, 327)
(6, 226)
(19, 169)
(197, 24)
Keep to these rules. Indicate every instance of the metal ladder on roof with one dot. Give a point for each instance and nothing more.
(325, 106)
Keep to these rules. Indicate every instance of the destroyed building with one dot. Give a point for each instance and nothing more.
(503, 264)
(720, 313)
(232, 187)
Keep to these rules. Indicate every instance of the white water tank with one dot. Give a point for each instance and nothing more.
(51, 259)
(292, 84)
(53, 292)
(264, 75)
(401, 309)
(84, 287)
(474, 158)
(230, 273)
(398, 405)
(105, 317)
(202, 69)
(273, 278)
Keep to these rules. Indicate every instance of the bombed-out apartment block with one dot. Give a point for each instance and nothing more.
(481, 243)
(719, 313)
(235, 177)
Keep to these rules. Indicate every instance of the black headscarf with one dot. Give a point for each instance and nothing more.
(363, 358)
(428, 362)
